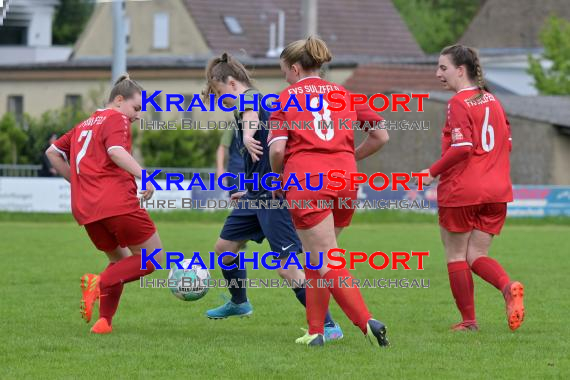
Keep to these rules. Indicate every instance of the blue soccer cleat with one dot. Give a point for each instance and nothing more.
(376, 333)
(333, 332)
(230, 309)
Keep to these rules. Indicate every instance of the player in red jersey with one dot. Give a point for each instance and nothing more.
(95, 158)
(317, 151)
(474, 184)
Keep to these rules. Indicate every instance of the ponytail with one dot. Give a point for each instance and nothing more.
(311, 53)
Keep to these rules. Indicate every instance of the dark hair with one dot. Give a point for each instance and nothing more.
(465, 56)
(126, 87)
(222, 67)
(311, 53)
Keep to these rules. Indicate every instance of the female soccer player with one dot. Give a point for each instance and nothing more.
(95, 158)
(226, 75)
(318, 151)
(474, 185)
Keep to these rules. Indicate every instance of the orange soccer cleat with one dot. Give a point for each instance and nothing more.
(514, 293)
(101, 327)
(90, 290)
(465, 326)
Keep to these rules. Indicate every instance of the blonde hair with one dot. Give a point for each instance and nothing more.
(464, 55)
(126, 87)
(222, 67)
(311, 53)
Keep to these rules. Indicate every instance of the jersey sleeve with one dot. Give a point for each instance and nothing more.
(227, 137)
(63, 144)
(461, 127)
(276, 130)
(115, 132)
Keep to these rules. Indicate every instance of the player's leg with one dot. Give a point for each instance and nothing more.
(106, 242)
(278, 228)
(456, 224)
(238, 305)
(490, 221)
(321, 238)
(240, 226)
(135, 231)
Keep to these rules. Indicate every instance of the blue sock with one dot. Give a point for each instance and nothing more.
(300, 294)
(239, 294)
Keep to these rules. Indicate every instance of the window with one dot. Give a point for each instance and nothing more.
(188, 100)
(13, 35)
(233, 25)
(73, 101)
(161, 31)
(16, 106)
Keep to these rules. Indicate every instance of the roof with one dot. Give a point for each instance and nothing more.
(512, 24)
(549, 109)
(357, 27)
(374, 78)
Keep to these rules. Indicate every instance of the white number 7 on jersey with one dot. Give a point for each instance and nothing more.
(487, 128)
(83, 150)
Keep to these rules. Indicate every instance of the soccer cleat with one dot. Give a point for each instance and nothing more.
(376, 333)
(314, 340)
(333, 332)
(101, 327)
(465, 326)
(90, 290)
(514, 293)
(230, 309)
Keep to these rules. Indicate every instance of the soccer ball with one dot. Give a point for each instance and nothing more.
(188, 284)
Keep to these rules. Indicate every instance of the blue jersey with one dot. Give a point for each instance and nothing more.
(262, 166)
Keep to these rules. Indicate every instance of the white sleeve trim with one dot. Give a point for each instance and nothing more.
(115, 147)
(60, 152)
(277, 139)
(463, 144)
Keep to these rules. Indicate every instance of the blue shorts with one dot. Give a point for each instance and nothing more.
(257, 224)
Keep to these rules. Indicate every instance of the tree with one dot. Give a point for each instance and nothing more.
(69, 20)
(12, 139)
(555, 37)
(437, 23)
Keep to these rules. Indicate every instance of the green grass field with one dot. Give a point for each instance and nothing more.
(158, 336)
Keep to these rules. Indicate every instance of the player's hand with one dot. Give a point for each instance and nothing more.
(238, 195)
(147, 194)
(426, 181)
(254, 147)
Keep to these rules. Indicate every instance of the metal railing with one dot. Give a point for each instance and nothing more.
(7, 170)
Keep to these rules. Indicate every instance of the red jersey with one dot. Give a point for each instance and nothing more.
(484, 177)
(320, 149)
(99, 188)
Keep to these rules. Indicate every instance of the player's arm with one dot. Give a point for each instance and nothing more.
(376, 138)
(225, 143)
(58, 154)
(461, 143)
(58, 162)
(125, 161)
(250, 126)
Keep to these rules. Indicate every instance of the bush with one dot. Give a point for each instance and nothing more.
(180, 148)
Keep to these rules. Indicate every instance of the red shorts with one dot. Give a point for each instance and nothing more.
(305, 218)
(121, 230)
(488, 217)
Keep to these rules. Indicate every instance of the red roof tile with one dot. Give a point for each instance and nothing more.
(371, 79)
(350, 27)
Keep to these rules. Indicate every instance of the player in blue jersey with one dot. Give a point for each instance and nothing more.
(226, 75)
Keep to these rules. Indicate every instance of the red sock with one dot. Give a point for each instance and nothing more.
(461, 283)
(348, 297)
(317, 302)
(491, 271)
(112, 280)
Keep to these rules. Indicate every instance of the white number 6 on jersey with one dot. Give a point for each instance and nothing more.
(487, 129)
(87, 134)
